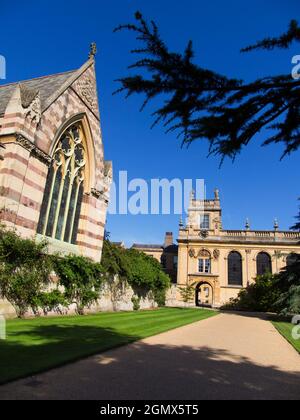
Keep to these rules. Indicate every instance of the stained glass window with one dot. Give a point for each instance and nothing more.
(60, 213)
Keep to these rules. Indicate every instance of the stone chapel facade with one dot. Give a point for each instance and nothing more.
(54, 181)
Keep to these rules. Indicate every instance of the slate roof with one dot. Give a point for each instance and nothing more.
(120, 244)
(46, 86)
(147, 246)
(169, 249)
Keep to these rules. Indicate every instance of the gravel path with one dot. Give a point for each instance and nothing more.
(229, 356)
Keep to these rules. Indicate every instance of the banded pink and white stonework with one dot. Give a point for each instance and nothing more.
(33, 116)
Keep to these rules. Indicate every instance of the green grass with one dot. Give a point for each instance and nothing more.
(37, 345)
(285, 329)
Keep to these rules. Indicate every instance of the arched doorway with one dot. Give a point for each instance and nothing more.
(204, 295)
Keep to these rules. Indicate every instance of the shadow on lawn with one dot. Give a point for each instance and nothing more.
(52, 346)
(143, 371)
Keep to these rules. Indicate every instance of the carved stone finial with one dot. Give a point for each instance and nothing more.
(276, 224)
(93, 50)
(217, 194)
(181, 223)
(247, 224)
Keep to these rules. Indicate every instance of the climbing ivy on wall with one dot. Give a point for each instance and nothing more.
(141, 271)
(27, 272)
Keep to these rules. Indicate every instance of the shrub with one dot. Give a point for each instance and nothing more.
(52, 301)
(24, 270)
(114, 260)
(187, 293)
(145, 272)
(289, 302)
(136, 301)
(159, 296)
(288, 284)
(260, 296)
(81, 279)
(140, 270)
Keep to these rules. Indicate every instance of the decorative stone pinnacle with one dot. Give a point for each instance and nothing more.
(247, 224)
(217, 194)
(276, 224)
(93, 50)
(181, 222)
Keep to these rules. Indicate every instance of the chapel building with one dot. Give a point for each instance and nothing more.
(54, 181)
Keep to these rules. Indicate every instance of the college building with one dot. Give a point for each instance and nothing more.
(54, 181)
(218, 263)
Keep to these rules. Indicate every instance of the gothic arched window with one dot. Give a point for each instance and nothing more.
(235, 269)
(60, 213)
(264, 263)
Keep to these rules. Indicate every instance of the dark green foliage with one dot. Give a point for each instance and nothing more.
(260, 296)
(284, 41)
(24, 270)
(25, 276)
(15, 251)
(159, 296)
(289, 302)
(139, 270)
(201, 104)
(136, 301)
(278, 293)
(53, 301)
(297, 225)
(114, 260)
(288, 283)
(81, 279)
(146, 272)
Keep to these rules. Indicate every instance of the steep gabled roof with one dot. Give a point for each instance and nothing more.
(46, 86)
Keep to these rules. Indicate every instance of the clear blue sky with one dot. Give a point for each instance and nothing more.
(45, 37)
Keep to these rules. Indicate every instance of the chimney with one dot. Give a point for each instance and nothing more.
(169, 239)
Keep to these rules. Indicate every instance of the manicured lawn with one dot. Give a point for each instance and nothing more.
(285, 329)
(36, 345)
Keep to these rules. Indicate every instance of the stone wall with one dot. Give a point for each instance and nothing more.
(115, 296)
(6, 309)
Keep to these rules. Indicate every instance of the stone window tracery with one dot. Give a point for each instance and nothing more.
(60, 213)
